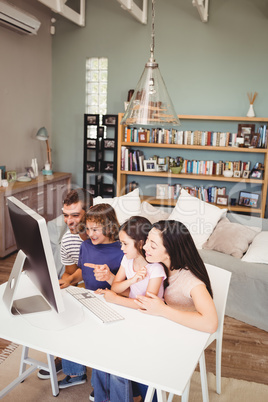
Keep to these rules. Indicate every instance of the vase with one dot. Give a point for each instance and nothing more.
(176, 169)
(250, 112)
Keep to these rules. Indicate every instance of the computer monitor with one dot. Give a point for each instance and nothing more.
(35, 257)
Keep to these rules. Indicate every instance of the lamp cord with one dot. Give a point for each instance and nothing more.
(152, 30)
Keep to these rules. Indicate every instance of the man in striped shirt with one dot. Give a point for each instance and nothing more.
(75, 205)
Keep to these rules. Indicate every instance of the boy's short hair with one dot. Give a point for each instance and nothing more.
(105, 215)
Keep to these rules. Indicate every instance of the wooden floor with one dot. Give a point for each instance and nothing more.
(245, 348)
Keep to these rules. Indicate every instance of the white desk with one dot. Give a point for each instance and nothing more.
(163, 354)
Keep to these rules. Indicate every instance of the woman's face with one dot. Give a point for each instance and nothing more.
(154, 248)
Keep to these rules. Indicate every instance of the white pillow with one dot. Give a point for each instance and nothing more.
(257, 251)
(198, 216)
(152, 213)
(124, 206)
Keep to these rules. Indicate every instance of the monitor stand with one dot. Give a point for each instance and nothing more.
(26, 305)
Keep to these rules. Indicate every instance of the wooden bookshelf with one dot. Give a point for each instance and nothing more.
(122, 176)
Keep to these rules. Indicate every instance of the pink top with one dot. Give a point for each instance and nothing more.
(154, 270)
(178, 293)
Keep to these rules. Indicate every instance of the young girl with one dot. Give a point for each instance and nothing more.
(135, 275)
(99, 259)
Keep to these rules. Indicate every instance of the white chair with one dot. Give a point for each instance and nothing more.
(220, 281)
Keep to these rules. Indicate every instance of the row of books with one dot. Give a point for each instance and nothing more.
(132, 160)
(172, 191)
(263, 139)
(173, 136)
(213, 168)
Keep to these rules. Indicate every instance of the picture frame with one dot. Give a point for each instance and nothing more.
(108, 189)
(108, 166)
(222, 200)
(237, 173)
(161, 168)
(247, 140)
(92, 119)
(149, 165)
(256, 174)
(162, 191)
(245, 129)
(245, 174)
(91, 143)
(109, 144)
(248, 199)
(91, 166)
(255, 137)
(142, 136)
(11, 176)
(3, 172)
(109, 119)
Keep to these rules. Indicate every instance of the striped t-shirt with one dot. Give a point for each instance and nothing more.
(70, 248)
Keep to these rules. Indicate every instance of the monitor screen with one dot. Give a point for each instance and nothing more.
(35, 257)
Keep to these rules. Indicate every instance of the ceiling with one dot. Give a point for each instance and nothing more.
(74, 10)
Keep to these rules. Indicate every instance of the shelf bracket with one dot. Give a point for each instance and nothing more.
(60, 7)
(202, 8)
(139, 13)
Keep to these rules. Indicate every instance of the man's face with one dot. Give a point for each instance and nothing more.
(73, 214)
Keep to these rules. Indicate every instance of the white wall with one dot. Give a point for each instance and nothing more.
(25, 91)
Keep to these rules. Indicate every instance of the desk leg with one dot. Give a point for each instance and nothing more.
(203, 375)
(185, 395)
(53, 375)
(161, 395)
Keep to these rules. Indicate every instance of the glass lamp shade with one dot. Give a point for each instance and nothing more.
(150, 104)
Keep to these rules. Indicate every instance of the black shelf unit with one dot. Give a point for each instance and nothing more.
(100, 154)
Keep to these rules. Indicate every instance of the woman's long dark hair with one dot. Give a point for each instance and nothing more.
(182, 251)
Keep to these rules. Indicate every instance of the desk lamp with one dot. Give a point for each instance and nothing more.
(42, 135)
(150, 104)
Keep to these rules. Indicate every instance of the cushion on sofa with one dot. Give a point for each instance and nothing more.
(198, 216)
(230, 238)
(257, 251)
(153, 214)
(124, 206)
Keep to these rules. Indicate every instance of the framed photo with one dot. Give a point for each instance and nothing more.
(91, 166)
(149, 165)
(109, 144)
(92, 119)
(245, 129)
(109, 120)
(142, 136)
(247, 140)
(246, 174)
(162, 191)
(237, 173)
(255, 140)
(222, 200)
(108, 166)
(11, 176)
(247, 199)
(161, 168)
(91, 143)
(256, 174)
(108, 189)
(3, 172)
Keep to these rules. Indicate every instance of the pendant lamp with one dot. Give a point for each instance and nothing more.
(150, 104)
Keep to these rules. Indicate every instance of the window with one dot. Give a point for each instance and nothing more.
(96, 85)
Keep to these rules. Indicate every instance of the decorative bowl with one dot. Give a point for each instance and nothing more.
(227, 173)
(176, 169)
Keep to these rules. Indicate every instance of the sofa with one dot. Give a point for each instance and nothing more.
(235, 242)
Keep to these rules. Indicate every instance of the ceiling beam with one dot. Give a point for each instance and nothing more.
(139, 13)
(202, 8)
(59, 7)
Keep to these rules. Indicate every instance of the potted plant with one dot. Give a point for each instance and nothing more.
(176, 164)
